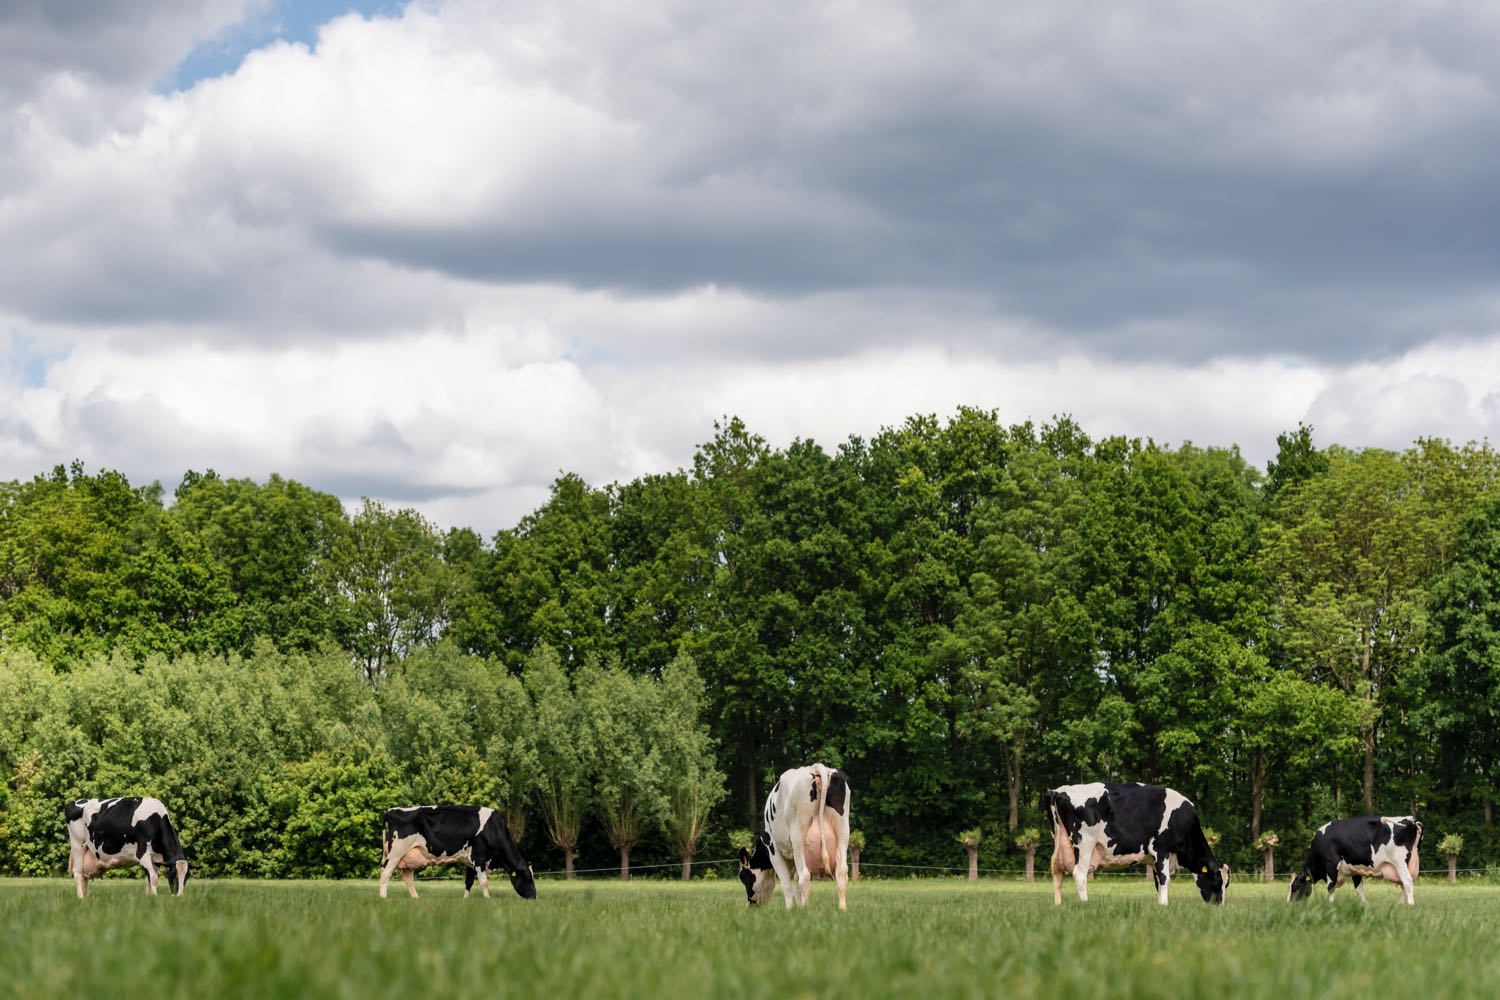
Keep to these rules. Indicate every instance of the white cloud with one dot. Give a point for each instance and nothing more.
(444, 255)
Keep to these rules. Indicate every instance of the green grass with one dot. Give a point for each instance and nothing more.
(928, 938)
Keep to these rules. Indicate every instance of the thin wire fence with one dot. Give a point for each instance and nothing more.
(1041, 871)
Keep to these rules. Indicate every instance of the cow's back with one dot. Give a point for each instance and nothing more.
(791, 811)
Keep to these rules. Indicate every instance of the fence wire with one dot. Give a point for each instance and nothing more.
(1040, 871)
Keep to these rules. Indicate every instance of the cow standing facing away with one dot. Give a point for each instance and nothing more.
(473, 836)
(1350, 849)
(108, 833)
(806, 836)
(1098, 825)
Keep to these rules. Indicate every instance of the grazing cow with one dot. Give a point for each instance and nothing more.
(1098, 824)
(1350, 849)
(474, 836)
(107, 833)
(806, 834)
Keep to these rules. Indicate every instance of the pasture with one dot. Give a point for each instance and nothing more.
(928, 938)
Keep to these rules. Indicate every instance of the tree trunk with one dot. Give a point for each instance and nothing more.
(1489, 812)
(973, 862)
(1370, 732)
(1269, 875)
(625, 862)
(750, 786)
(1031, 864)
(687, 867)
(1013, 774)
(1452, 868)
(567, 861)
(1257, 791)
(853, 864)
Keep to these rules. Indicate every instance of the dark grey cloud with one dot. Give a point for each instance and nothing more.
(126, 44)
(1167, 180)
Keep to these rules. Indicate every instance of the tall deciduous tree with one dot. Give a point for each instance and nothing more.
(1462, 666)
(565, 751)
(1349, 565)
(623, 715)
(693, 783)
(390, 572)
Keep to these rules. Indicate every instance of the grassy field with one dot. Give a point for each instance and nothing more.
(928, 938)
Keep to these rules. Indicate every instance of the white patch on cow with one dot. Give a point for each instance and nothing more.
(485, 812)
(1175, 801)
(1081, 795)
(148, 808)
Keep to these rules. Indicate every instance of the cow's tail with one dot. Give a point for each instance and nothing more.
(1063, 857)
(821, 776)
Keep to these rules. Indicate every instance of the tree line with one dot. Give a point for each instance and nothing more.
(283, 764)
(958, 613)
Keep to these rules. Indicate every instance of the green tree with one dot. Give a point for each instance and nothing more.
(564, 750)
(1462, 664)
(693, 783)
(389, 570)
(1350, 565)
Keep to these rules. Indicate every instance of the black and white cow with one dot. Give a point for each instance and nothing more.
(474, 836)
(806, 836)
(108, 833)
(1351, 849)
(1098, 825)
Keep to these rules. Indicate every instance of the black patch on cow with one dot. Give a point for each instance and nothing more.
(449, 829)
(838, 791)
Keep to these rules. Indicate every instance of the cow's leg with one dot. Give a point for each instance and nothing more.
(783, 877)
(484, 883)
(398, 851)
(1359, 886)
(80, 880)
(409, 877)
(1081, 868)
(804, 877)
(1163, 874)
(468, 880)
(145, 860)
(841, 867)
(1406, 887)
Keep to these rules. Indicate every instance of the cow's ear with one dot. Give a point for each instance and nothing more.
(744, 858)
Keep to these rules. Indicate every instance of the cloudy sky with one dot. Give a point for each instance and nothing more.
(437, 252)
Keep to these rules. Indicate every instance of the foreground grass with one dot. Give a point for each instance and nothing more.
(934, 938)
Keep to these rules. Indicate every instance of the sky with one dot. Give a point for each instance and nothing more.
(438, 253)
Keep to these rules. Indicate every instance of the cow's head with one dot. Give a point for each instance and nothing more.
(755, 871)
(1301, 886)
(523, 881)
(177, 876)
(1212, 879)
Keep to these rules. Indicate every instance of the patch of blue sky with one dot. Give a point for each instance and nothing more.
(276, 20)
(27, 358)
